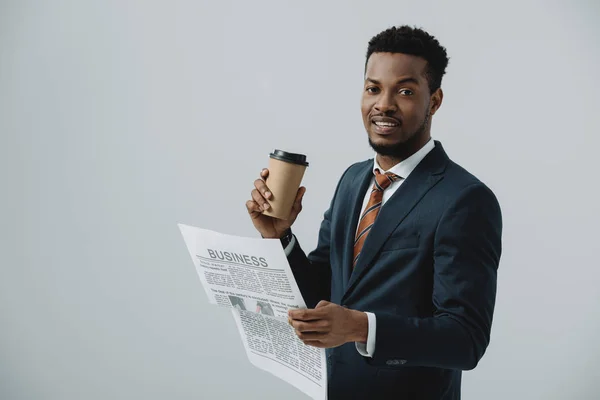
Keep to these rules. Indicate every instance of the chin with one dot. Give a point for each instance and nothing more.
(389, 146)
(392, 141)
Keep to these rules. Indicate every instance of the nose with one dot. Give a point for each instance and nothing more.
(386, 104)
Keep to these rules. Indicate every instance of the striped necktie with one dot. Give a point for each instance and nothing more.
(382, 181)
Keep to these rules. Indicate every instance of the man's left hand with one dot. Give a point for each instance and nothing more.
(329, 325)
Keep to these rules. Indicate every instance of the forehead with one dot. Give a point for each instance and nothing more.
(391, 66)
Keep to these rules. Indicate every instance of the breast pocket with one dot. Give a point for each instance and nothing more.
(401, 240)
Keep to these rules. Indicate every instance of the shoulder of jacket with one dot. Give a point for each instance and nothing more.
(357, 167)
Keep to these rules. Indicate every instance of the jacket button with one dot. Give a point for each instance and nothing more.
(395, 362)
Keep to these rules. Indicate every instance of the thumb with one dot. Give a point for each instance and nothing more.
(322, 303)
(297, 207)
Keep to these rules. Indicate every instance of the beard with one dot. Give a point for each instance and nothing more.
(402, 150)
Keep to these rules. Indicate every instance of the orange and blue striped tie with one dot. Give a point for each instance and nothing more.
(382, 182)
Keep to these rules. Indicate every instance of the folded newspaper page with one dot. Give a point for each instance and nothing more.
(253, 277)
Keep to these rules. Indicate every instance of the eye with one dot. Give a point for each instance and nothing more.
(406, 92)
(372, 89)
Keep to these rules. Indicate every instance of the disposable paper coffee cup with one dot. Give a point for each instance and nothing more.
(285, 175)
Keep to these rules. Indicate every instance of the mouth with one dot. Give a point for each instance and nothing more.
(384, 125)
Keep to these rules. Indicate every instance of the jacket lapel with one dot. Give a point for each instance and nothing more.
(419, 182)
(356, 194)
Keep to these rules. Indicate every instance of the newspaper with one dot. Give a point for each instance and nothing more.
(253, 278)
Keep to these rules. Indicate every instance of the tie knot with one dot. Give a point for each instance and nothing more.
(383, 181)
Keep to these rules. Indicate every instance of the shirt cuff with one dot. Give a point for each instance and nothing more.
(368, 349)
(288, 249)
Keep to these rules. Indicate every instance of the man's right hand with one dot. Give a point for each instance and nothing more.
(270, 227)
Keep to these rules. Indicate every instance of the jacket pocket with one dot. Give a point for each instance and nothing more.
(401, 241)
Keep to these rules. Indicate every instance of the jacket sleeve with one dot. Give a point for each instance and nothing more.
(467, 248)
(313, 272)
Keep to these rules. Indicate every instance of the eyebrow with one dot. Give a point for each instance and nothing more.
(400, 82)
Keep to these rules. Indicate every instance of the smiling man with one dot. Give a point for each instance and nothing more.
(402, 284)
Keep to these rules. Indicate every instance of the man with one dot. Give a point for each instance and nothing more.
(401, 287)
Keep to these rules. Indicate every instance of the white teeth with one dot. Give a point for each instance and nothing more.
(381, 123)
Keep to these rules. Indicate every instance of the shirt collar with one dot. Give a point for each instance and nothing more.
(404, 168)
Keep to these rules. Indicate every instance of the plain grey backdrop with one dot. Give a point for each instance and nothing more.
(120, 119)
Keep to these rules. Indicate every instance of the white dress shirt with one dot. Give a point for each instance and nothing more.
(402, 169)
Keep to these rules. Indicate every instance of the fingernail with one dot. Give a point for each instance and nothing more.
(266, 206)
(267, 194)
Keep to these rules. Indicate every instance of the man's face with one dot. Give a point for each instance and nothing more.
(395, 103)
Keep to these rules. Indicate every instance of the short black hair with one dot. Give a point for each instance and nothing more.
(416, 42)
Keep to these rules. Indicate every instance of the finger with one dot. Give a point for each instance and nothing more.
(320, 325)
(264, 173)
(311, 336)
(261, 186)
(301, 315)
(253, 207)
(257, 197)
(316, 343)
(306, 314)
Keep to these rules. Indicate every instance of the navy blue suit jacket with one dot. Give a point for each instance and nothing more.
(427, 271)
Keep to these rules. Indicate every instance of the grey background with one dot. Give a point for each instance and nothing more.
(119, 119)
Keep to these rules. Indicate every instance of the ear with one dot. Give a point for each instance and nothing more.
(436, 101)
